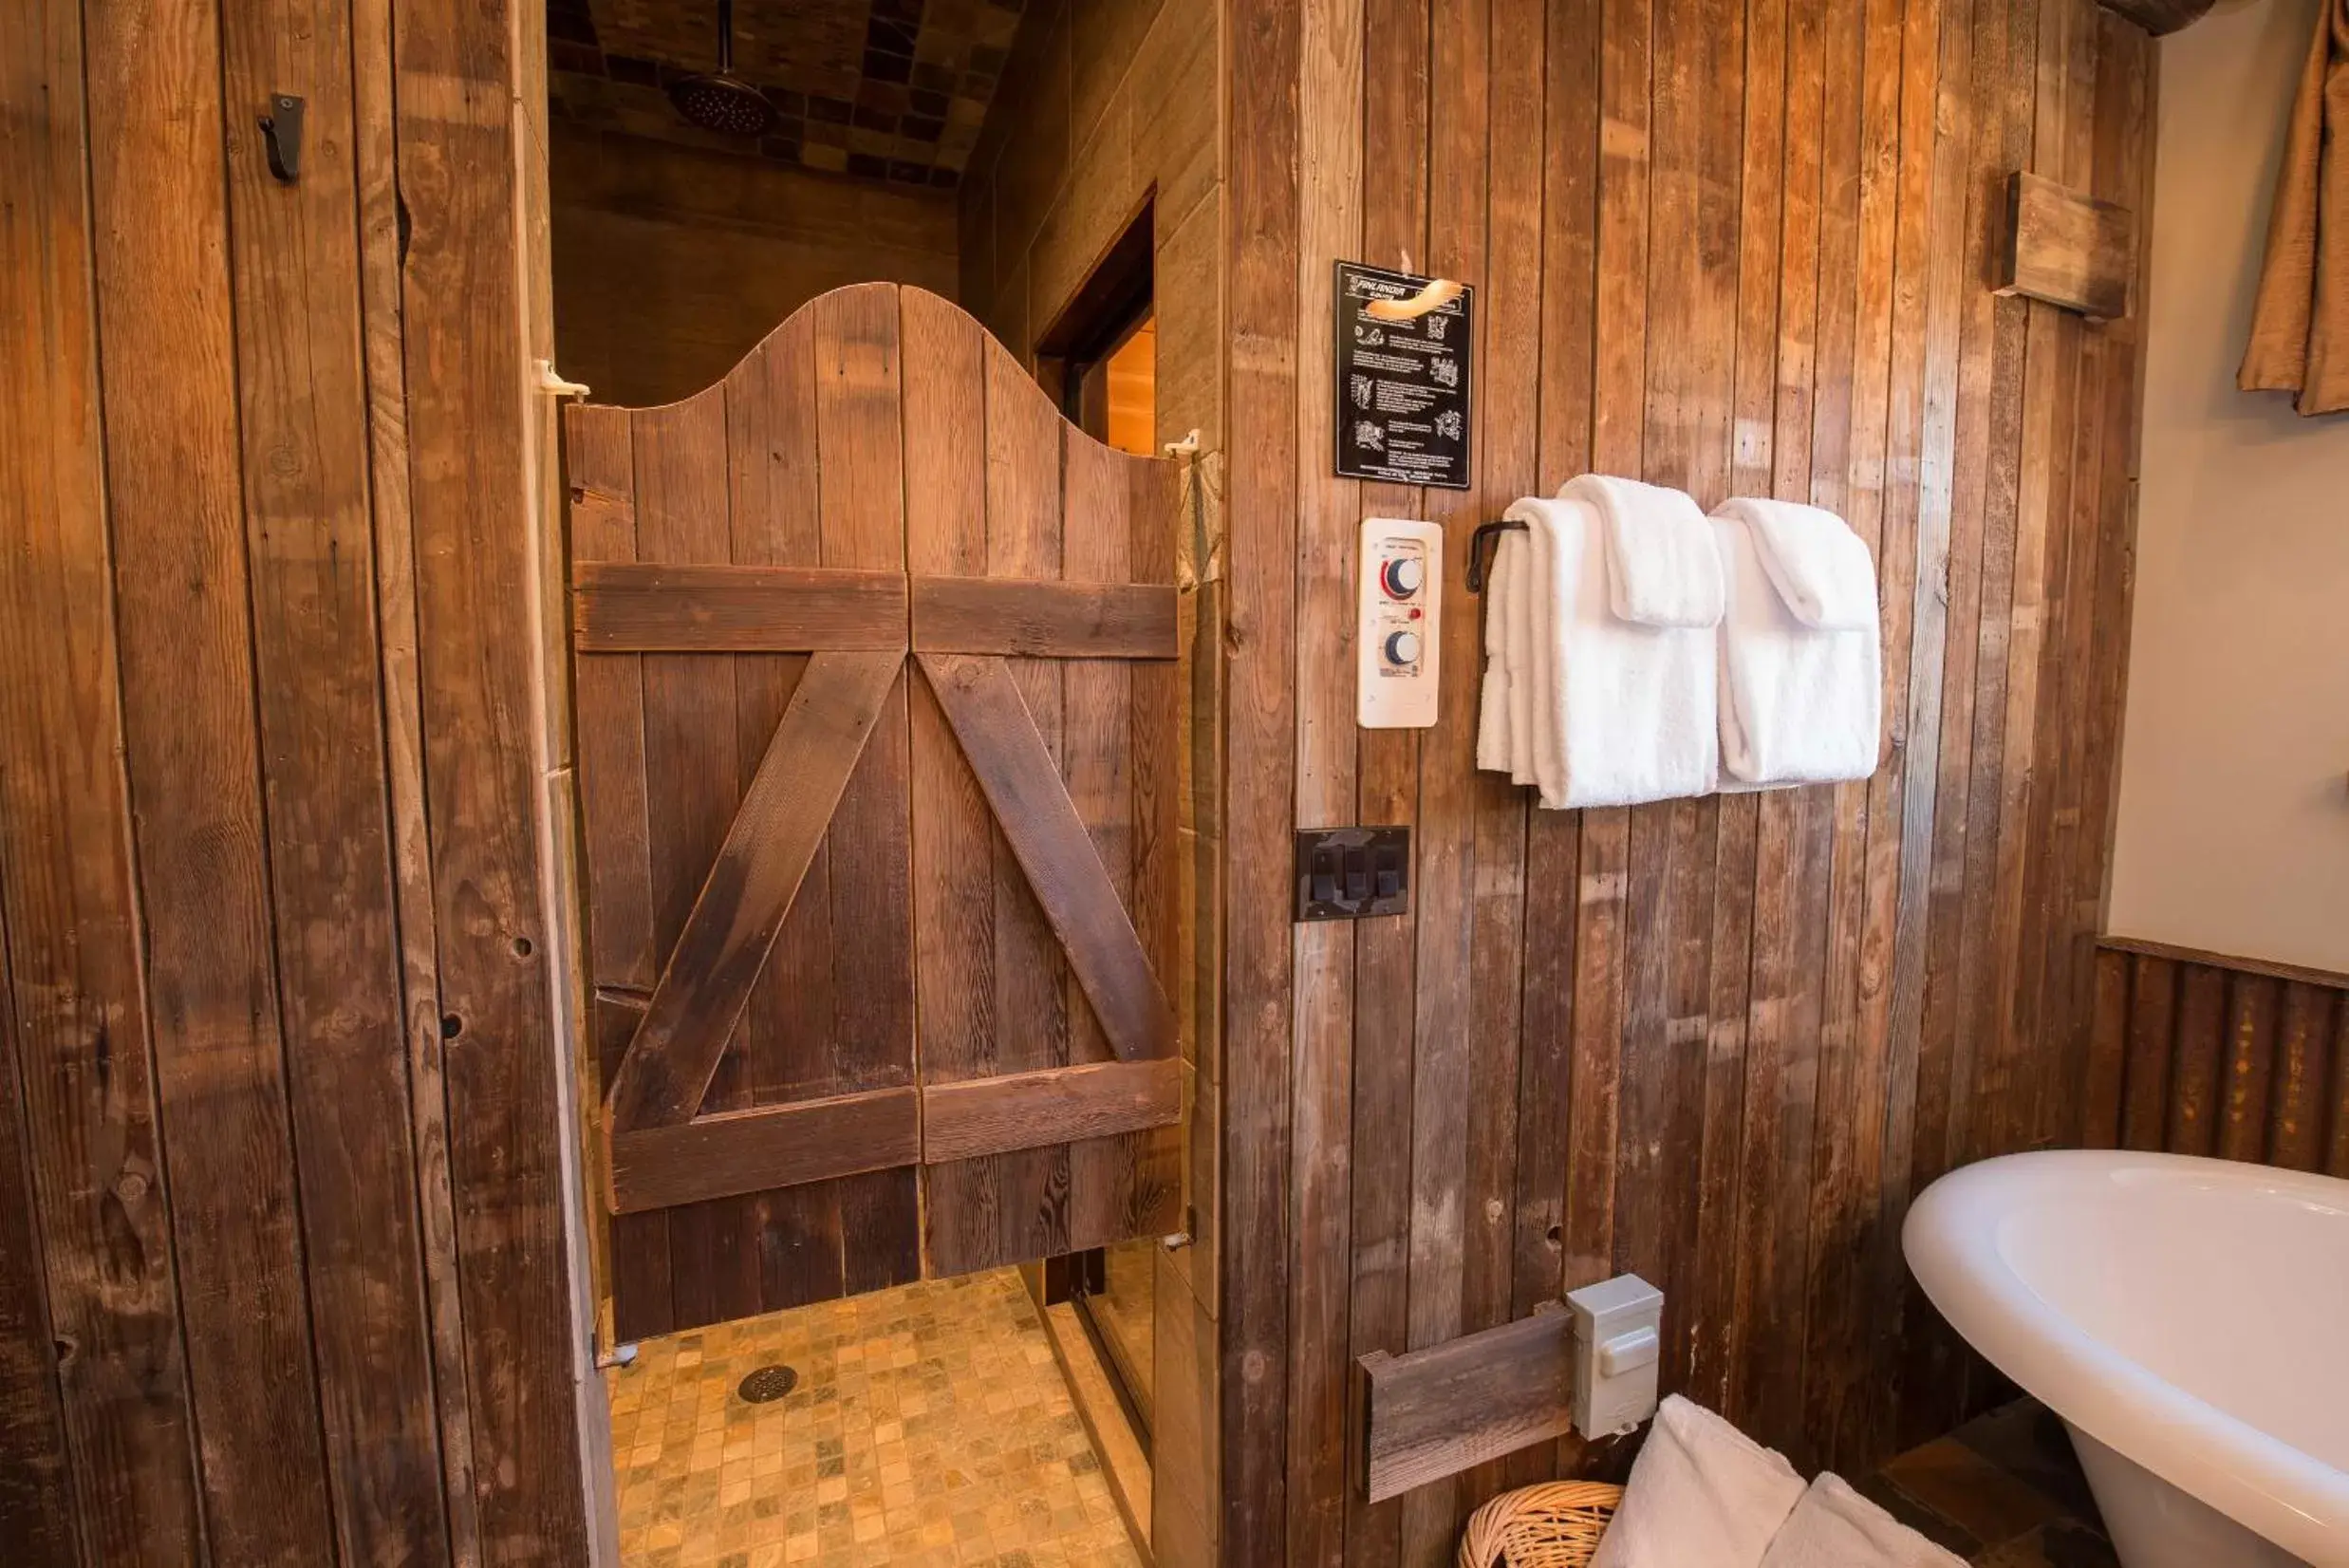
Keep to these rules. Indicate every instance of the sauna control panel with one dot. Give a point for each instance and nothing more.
(1396, 641)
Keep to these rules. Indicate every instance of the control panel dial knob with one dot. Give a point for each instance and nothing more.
(1402, 647)
(1402, 577)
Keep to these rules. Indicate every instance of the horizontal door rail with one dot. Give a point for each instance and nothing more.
(1056, 1105)
(643, 607)
(736, 1152)
(1040, 620)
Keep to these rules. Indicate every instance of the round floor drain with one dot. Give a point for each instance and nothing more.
(768, 1383)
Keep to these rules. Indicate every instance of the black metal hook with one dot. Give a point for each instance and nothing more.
(1476, 549)
(280, 128)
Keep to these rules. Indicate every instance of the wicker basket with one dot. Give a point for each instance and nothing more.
(1555, 1524)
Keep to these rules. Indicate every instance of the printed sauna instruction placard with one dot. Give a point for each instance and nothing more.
(1402, 385)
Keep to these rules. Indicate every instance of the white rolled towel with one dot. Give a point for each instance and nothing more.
(1835, 1527)
(1701, 1495)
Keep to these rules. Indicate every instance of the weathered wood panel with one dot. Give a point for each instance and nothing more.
(294, 265)
(859, 432)
(36, 1512)
(470, 501)
(174, 503)
(676, 608)
(1262, 264)
(730, 1152)
(1435, 1413)
(83, 1078)
(1051, 620)
(1332, 135)
(796, 1234)
(1373, 997)
(2068, 250)
(2200, 1054)
(1053, 1105)
(229, 912)
(1720, 1042)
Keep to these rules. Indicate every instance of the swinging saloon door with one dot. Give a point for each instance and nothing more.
(878, 723)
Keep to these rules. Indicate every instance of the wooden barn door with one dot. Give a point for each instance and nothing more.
(877, 719)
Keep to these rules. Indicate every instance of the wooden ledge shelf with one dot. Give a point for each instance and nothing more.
(1438, 1411)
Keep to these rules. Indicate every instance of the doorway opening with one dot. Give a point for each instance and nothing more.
(929, 1425)
(832, 1198)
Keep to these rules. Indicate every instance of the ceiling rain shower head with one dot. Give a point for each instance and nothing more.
(721, 100)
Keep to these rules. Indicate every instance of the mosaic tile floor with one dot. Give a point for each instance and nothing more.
(2002, 1491)
(930, 1429)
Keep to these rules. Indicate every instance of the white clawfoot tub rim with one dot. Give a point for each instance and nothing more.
(1952, 1241)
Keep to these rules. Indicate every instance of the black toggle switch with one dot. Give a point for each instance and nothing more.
(1344, 874)
(1325, 861)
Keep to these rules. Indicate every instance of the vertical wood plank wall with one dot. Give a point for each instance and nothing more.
(284, 1272)
(1736, 246)
(2196, 1053)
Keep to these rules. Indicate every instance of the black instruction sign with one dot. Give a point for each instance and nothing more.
(1402, 385)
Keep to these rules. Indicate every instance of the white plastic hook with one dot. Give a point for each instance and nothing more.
(549, 382)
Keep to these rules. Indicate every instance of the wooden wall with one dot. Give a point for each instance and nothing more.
(671, 264)
(2196, 1053)
(1737, 246)
(1105, 106)
(284, 1272)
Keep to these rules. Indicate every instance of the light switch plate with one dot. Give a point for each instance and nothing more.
(1618, 1340)
(1345, 873)
(1398, 633)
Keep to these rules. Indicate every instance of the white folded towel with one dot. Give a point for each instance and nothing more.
(1528, 630)
(1662, 569)
(1701, 1495)
(1492, 720)
(1818, 566)
(1835, 1527)
(1600, 711)
(1800, 705)
(1516, 729)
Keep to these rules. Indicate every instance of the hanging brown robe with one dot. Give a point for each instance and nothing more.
(2299, 327)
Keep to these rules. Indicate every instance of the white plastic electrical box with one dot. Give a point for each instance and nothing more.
(1398, 636)
(1618, 1340)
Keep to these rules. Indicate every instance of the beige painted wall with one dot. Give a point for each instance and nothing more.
(2234, 812)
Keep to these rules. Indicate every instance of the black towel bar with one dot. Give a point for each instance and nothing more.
(1476, 549)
